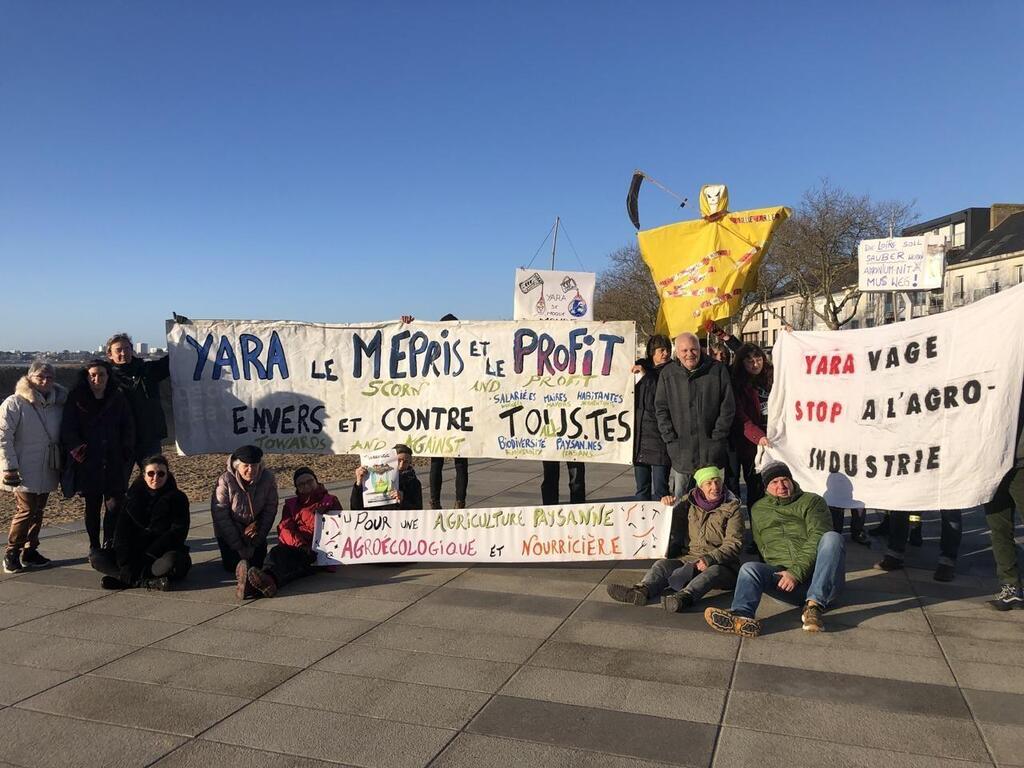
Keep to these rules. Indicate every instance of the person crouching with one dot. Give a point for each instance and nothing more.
(149, 540)
(293, 556)
(711, 552)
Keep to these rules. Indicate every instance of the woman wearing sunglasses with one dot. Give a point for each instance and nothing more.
(149, 542)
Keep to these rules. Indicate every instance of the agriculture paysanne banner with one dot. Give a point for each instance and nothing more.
(537, 390)
(547, 534)
(918, 415)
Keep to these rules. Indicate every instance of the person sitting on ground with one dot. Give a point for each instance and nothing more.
(804, 559)
(711, 551)
(244, 506)
(149, 542)
(409, 494)
(293, 556)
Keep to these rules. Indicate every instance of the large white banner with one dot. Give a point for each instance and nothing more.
(553, 295)
(635, 530)
(918, 415)
(546, 390)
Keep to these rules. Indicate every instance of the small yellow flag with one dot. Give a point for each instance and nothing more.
(702, 268)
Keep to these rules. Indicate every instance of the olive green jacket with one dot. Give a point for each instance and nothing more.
(787, 531)
(716, 537)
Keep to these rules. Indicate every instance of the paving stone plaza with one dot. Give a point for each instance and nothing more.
(450, 666)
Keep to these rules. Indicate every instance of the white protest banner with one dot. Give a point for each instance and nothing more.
(544, 390)
(915, 416)
(901, 263)
(633, 530)
(553, 295)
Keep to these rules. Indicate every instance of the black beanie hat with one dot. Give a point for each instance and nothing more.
(249, 454)
(774, 471)
(303, 471)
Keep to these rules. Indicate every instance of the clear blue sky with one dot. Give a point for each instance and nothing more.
(347, 162)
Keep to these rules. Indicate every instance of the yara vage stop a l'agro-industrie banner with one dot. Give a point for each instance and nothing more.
(917, 415)
(534, 390)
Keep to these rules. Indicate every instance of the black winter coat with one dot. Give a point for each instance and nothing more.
(107, 429)
(695, 412)
(140, 380)
(648, 447)
(152, 523)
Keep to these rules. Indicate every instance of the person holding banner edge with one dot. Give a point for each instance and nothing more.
(712, 549)
(999, 514)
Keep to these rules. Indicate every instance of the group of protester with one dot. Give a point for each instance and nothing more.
(699, 423)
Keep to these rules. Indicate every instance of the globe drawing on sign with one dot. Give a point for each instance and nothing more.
(578, 307)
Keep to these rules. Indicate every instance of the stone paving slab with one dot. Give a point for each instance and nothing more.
(385, 699)
(212, 674)
(334, 736)
(136, 705)
(522, 665)
(38, 740)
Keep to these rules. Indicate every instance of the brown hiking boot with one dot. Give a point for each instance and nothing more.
(262, 582)
(637, 594)
(811, 617)
(729, 623)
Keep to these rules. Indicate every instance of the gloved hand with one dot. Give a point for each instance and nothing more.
(12, 477)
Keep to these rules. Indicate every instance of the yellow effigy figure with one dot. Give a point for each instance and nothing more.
(702, 267)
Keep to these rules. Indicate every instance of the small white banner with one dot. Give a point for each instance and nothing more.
(919, 415)
(553, 295)
(901, 263)
(635, 530)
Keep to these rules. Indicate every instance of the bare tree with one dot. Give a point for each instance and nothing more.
(625, 291)
(814, 253)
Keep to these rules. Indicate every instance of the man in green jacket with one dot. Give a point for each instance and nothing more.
(804, 559)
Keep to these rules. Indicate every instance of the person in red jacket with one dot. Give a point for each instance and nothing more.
(293, 556)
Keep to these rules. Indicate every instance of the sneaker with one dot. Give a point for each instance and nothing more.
(110, 582)
(889, 563)
(241, 580)
(262, 583)
(12, 562)
(637, 594)
(811, 617)
(677, 602)
(157, 584)
(944, 572)
(729, 623)
(1009, 597)
(30, 558)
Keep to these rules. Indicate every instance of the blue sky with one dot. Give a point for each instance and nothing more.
(348, 162)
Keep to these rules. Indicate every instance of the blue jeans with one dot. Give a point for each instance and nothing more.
(651, 481)
(679, 483)
(826, 583)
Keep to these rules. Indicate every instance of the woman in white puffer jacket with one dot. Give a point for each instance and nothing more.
(30, 459)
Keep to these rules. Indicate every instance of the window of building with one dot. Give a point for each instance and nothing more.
(764, 318)
(782, 313)
(959, 233)
(959, 287)
(869, 323)
(775, 336)
(1020, 274)
(764, 339)
(750, 338)
(854, 325)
